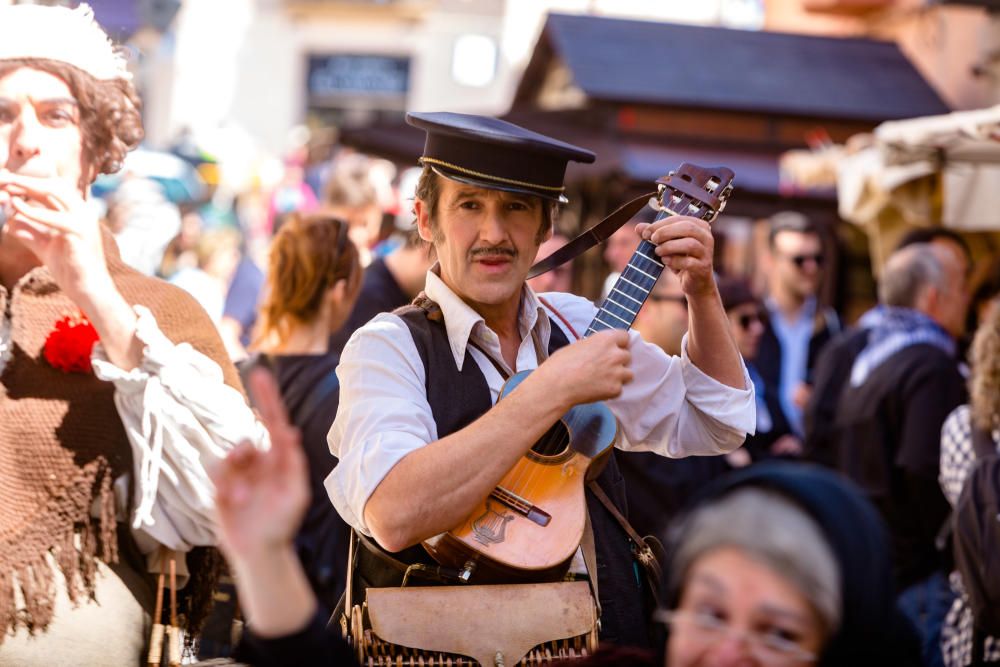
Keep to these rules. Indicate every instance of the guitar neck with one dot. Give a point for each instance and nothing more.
(620, 307)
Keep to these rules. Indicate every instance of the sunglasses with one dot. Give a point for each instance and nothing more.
(657, 298)
(800, 260)
(747, 319)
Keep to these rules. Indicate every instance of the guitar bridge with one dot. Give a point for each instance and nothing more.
(521, 506)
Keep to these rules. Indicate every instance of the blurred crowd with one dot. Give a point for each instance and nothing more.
(890, 404)
(844, 512)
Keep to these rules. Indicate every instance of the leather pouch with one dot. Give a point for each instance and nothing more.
(515, 624)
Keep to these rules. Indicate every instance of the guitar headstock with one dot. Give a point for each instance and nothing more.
(699, 192)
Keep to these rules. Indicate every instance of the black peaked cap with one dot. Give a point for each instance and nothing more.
(492, 153)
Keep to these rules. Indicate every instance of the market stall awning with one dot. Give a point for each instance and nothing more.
(935, 170)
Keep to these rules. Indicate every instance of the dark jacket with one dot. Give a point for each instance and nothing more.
(887, 439)
(768, 361)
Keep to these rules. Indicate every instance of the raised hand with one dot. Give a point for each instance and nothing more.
(262, 495)
(686, 246)
(51, 219)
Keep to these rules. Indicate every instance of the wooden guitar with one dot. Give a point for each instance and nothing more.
(530, 525)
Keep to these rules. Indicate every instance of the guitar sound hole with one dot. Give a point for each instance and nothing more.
(553, 447)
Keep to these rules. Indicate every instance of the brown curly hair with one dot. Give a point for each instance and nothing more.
(308, 255)
(984, 384)
(110, 118)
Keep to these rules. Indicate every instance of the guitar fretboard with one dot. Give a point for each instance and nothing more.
(620, 307)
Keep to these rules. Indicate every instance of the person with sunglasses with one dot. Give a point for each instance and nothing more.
(774, 436)
(797, 326)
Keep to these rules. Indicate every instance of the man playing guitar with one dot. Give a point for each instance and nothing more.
(420, 435)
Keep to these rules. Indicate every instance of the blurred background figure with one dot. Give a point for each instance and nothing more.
(663, 319)
(313, 281)
(292, 193)
(797, 326)
(835, 360)
(886, 435)
(774, 436)
(355, 191)
(977, 420)
(560, 278)
(180, 252)
(218, 253)
(388, 283)
(143, 222)
(782, 564)
(618, 250)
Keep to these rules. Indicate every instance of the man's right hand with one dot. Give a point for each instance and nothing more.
(593, 369)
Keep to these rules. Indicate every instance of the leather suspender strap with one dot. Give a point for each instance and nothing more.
(560, 316)
(644, 553)
(590, 560)
(591, 237)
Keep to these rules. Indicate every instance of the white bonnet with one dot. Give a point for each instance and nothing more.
(58, 33)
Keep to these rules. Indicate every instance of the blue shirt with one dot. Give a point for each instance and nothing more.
(793, 337)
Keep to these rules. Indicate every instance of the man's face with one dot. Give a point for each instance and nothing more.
(40, 127)
(663, 319)
(798, 262)
(486, 240)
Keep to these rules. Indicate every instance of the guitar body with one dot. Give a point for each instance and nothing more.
(531, 525)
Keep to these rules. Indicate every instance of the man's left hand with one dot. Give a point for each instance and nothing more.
(686, 247)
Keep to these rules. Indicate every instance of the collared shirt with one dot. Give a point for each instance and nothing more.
(670, 406)
(794, 337)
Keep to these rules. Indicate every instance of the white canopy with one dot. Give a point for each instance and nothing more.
(934, 170)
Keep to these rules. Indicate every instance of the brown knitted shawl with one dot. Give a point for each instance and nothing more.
(62, 443)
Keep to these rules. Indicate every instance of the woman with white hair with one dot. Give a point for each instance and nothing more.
(115, 390)
(783, 564)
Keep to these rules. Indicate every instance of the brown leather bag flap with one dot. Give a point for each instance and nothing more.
(482, 621)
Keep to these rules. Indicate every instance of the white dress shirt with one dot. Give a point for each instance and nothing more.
(670, 406)
(180, 418)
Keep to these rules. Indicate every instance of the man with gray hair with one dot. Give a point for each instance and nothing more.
(887, 429)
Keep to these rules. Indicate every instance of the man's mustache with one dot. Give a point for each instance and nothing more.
(492, 253)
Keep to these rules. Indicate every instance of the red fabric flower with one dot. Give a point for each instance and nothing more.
(69, 345)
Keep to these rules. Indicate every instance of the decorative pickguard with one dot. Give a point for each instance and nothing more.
(491, 527)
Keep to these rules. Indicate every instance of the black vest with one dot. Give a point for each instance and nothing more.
(457, 398)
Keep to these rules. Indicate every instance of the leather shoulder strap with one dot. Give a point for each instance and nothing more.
(591, 237)
(644, 553)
